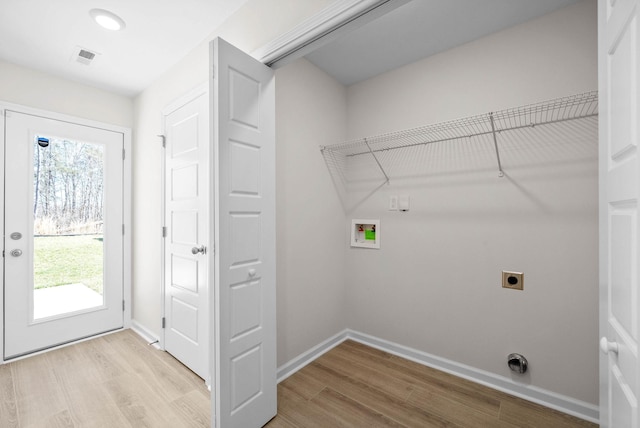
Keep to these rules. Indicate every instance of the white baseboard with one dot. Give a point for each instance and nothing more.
(305, 358)
(145, 333)
(571, 406)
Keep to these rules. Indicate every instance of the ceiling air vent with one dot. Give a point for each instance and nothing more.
(85, 57)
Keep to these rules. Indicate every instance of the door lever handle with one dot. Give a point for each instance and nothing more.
(201, 249)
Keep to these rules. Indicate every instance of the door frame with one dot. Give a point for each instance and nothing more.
(126, 197)
(199, 90)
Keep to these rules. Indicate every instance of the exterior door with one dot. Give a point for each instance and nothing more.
(186, 286)
(244, 298)
(63, 232)
(619, 221)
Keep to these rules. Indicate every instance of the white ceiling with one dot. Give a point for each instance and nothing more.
(420, 29)
(45, 35)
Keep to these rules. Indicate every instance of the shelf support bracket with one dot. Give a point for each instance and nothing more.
(377, 161)
(495, 144)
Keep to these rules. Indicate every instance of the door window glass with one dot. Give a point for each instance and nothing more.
(68, 241)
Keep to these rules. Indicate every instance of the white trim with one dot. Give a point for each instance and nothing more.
(186, 98)
(307, 357)
(2, 150)
(63, 117)
(562, 403)
(338, 18)
(145, 334)
(127, 219)
(126, 195)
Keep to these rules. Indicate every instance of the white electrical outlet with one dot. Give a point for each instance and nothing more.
(393, 203)
(404, 203)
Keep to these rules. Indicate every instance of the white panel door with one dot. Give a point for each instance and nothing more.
(245, 325)
(619, 221)
(186, 286)
(63, 232)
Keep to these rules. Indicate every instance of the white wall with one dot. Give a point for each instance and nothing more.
(311, 111)
(35, 89)
(435, 285)
(257, 23)
(541, 59)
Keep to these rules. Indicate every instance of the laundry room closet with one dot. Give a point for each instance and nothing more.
(435, 284)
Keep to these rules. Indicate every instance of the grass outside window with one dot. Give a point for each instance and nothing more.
(68, 259)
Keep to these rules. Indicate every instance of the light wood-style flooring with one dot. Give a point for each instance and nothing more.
(112, 381)
(119, 381)
(356, 386)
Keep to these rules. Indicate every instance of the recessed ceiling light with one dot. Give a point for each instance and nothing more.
(106, 19)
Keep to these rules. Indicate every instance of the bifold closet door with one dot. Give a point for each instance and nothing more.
(619, 48)
(244, 299)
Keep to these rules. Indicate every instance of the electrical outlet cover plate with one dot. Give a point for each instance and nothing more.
(393, 203)
(512, 280)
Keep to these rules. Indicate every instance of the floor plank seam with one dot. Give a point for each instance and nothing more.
(500, 411)
(317, 393)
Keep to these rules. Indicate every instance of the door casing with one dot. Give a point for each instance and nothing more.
(127, 214)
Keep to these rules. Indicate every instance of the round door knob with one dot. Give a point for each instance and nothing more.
(16, 253)
(201, 249)
(606, 346)
(252, 273)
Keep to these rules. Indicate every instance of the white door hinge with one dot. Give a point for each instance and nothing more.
(164, 320)
(164, 140)
(164, 231)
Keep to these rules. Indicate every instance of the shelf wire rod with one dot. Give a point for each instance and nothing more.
(495, 143)
(377, 161)
(511, 127)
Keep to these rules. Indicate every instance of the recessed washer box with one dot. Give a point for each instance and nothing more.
(365, 233)
(512, 280)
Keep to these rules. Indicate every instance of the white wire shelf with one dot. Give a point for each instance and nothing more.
(563, 109)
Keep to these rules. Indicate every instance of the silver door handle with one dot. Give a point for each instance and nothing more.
(16, 253)
(201, 249)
